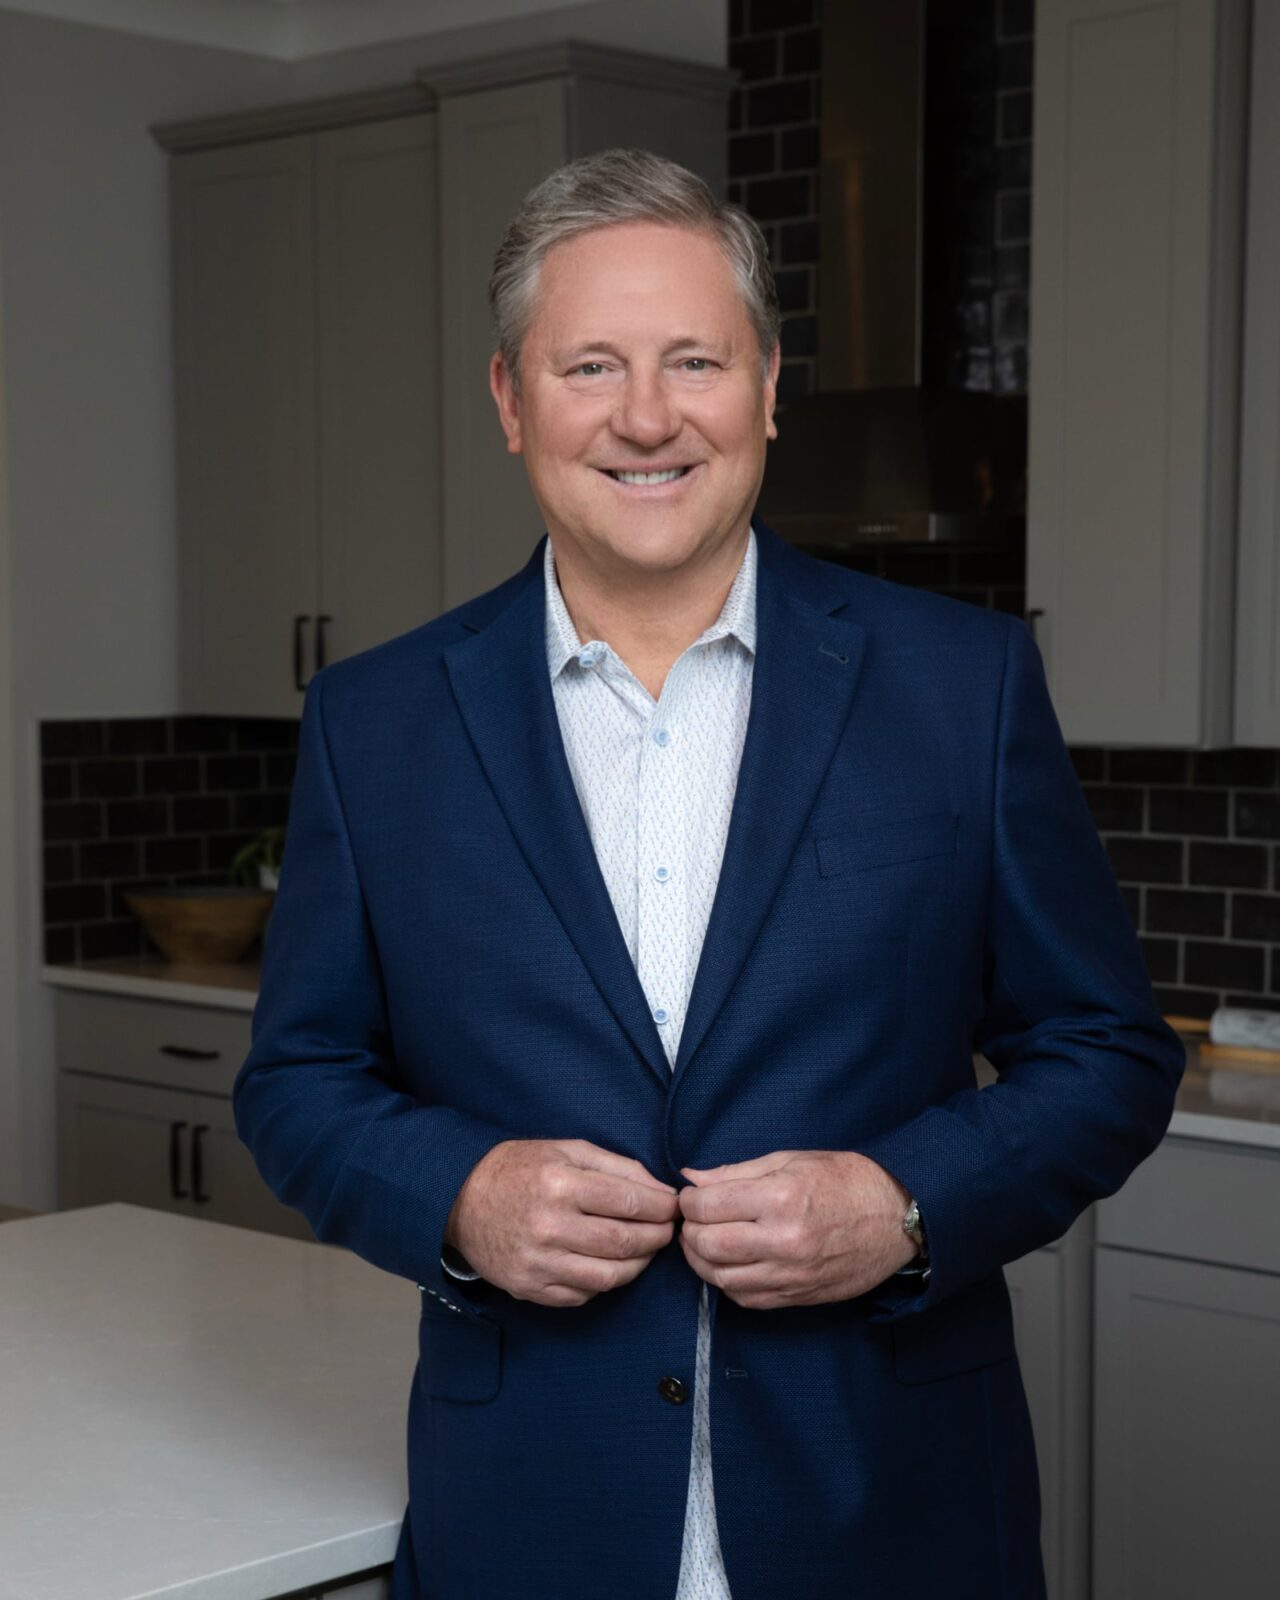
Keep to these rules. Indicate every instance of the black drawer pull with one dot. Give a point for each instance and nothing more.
(197, 1163)
(184, 1052)
(321, 657)
(175, 1160)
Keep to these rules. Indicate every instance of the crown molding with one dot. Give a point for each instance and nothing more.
(305, 116)
(576, 58)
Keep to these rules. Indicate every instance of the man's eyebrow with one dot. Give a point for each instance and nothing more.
(604, 347)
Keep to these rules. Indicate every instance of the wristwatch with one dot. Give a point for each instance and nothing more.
(913, 1227)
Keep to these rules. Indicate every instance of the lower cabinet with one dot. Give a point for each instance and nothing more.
(1187, 1377)
(1050, 1291)
(145, 1112)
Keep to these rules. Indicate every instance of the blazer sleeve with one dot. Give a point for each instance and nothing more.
(319, 1100)
(1088, 1069)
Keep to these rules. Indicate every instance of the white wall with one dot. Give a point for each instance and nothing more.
(86, 378)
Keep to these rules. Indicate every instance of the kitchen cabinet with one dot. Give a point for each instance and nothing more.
(1257, 708)
(1187, 1376)
(1051, 1292)
(505, 123)
(145, 1112)
(308, 395)
(1137, 259)
(330, 265)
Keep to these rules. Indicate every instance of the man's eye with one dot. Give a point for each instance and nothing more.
(697, 364)
(589, 369)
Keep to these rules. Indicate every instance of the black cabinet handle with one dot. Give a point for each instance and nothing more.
(197, 1163)
(175, 1160)
(184, 1052)
(299, 622)
(320, 642)
(1030, 618)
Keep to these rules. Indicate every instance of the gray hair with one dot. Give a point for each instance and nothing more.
(616, 186)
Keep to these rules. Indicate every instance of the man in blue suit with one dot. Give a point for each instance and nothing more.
(637, 925)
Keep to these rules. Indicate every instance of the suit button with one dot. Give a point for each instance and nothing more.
(672, 1390)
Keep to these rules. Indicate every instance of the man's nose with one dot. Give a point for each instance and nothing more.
(644, 413)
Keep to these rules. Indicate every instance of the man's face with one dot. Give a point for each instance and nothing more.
(640, 359)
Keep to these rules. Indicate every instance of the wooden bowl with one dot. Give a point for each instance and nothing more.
(202, 925)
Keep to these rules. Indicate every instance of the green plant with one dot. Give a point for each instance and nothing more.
(265, 849)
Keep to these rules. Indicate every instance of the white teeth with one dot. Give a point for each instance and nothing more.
(650, 477)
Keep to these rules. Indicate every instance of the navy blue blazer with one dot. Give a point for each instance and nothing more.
(911, 872)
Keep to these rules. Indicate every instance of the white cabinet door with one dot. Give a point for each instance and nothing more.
(1140, 109)
(378, 295)
(123, 1141)
(1187, 1453)
(1052, 1312)
(243, 230)
(1257, 707)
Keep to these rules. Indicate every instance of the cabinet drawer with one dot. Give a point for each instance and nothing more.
(1200, 1200)
(151, 1041)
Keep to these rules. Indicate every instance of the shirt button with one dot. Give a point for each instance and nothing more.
(661, 737)
(590, 655)
(662, 874)
(659, 1015)
(673, 1391)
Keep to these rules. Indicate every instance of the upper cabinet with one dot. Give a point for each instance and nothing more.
(308, 384)
(331, 265)
(1258, 585)
(1137, 254)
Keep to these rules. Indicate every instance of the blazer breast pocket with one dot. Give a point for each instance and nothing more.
(884, 841)
(459, 1355)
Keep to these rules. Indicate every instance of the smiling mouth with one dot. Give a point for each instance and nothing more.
(647, 479)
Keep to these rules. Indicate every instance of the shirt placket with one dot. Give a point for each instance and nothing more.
(661, 875)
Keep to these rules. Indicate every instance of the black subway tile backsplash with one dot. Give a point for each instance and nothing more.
(1232, 866)
(1224, 966)
(156, 801)
(1256, 916)
(1257, 816)
(1200, 911)
(171, 775)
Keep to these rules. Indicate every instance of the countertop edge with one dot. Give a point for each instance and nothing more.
(331, 1562)
(190, 994)
(1223, 1129)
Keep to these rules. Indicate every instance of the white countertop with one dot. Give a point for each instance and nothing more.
(232, 986)
(189, 1409)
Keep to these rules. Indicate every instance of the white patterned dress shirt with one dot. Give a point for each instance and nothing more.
(656, 781)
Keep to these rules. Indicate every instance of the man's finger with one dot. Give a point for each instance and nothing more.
(727, 1243)
(604, 1194)
(595, 1158)
(613, 1240)
(734, 1200)
(757, 1167)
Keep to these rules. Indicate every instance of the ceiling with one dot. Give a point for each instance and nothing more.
(286, 30)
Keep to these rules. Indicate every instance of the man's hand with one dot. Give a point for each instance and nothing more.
(795, 1228)
(557, 1221)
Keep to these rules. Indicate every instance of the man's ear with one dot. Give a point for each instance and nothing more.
(771, 392)
(507, 400)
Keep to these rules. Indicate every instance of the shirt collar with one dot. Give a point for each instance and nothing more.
(737, 615)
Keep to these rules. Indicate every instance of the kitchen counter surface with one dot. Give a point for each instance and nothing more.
(195, 1410)
(232, 986)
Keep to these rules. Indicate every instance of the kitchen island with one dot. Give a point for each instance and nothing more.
(196, 1410)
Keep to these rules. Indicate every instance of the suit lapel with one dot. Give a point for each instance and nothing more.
(806, 669)
(503, 690)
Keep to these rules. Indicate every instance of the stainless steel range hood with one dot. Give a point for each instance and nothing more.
(875, 457)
